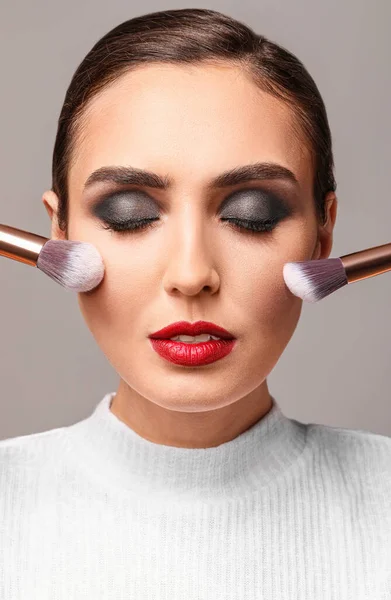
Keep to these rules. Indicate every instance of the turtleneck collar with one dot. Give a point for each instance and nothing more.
(118, 456)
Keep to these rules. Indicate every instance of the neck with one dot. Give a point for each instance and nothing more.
(126, 463)
(183, 429)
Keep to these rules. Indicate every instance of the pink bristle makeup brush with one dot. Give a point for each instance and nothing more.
(313, 280)
(77, 266)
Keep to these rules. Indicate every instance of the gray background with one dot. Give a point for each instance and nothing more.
(336, 368)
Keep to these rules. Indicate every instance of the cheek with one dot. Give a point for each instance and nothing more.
(259, 286)
(271, 309)
(115, 304)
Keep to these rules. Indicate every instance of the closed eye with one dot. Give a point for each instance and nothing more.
(261, 211)
(239, 224)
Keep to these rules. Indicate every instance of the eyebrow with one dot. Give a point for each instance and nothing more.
(126, 175)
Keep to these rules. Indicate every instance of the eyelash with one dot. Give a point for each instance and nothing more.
(250, 227)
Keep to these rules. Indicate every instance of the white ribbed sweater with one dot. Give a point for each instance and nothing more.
(285, 510)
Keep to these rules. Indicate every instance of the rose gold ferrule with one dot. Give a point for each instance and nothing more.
(21, 245)
(367, 263)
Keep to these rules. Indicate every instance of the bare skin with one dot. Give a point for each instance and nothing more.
(192, 123)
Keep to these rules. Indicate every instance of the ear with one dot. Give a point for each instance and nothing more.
(51, 203)
(325, 233)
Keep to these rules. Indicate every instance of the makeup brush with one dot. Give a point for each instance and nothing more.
(313, 280)
(77, 266)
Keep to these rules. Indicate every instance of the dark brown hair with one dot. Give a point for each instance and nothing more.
(194, 35)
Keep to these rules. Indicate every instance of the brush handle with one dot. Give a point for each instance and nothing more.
(20, 245)
(367, 263)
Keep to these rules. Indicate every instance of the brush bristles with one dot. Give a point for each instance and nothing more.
(315, 279)
(75, 265)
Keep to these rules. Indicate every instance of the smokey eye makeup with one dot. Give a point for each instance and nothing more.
(250, 210)
(254, 210)
(126, 211)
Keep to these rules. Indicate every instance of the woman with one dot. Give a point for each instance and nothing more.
(196, 156)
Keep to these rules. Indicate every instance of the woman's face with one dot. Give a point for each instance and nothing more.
(190, 124)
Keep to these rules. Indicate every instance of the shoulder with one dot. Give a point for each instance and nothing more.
(357, 455)
(30, 449)
(31, 467)
(351, 438)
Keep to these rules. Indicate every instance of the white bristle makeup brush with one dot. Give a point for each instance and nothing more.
(77, 266)
(313, 280)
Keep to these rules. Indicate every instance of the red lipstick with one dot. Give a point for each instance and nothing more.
(192, 354)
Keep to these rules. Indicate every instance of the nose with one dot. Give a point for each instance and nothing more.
(190, 266)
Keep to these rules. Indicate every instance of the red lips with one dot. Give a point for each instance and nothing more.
(186, 328)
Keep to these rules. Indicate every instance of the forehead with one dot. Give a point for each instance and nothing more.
(196, 119)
